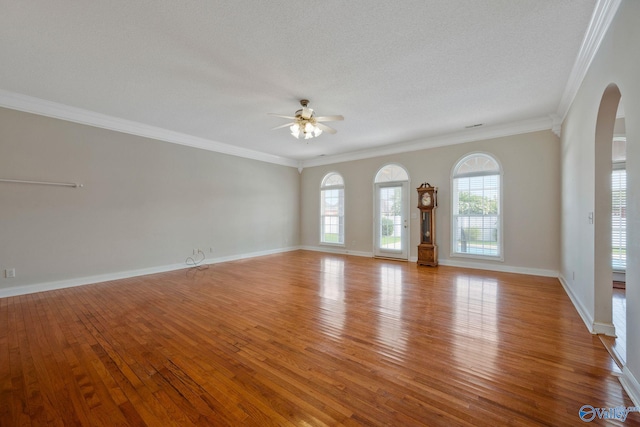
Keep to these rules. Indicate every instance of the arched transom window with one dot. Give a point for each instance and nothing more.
(391, 173)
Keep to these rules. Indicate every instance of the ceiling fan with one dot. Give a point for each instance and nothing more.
(306, 124)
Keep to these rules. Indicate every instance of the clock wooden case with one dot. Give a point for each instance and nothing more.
(427, 203)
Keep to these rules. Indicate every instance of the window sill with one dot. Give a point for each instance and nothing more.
(335, 245)
(498, 258)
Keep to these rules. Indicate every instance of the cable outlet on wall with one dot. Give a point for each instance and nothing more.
(10, 273)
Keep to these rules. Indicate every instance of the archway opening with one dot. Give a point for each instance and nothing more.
(608, 250)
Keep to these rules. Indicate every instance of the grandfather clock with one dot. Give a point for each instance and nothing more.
(427, 203)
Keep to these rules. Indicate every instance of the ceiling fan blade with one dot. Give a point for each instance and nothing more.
(326, 128)
(282, 126)
(329, 118)
(280, 115)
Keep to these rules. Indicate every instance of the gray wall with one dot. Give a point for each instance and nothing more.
(145, 204)
(617, 62)
(531, 199)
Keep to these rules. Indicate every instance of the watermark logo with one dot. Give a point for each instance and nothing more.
(588, 413)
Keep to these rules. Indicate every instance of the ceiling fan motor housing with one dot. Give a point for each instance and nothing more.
(305, 124)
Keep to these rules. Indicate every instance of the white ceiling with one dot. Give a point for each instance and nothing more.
(206, 73)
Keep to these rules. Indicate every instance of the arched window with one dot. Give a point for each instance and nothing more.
(476, 225)
(391, 173)
(332, 209)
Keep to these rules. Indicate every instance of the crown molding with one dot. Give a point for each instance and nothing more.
(29, 104)
(467, 135)
(601, 19)
(556, 125)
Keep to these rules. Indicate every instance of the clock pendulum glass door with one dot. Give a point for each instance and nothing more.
(426, 227)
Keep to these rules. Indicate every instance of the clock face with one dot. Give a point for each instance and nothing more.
(426, 199)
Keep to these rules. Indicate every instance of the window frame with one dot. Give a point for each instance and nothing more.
(453, 216)
(380, 180)
(619, 266)
(341, 210)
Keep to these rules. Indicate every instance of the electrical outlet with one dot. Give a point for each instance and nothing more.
(10, 273)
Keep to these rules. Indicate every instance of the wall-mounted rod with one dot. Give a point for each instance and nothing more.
(57, 184)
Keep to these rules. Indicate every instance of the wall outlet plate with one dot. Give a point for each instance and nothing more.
(10, 273)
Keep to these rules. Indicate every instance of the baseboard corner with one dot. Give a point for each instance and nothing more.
(630, 385)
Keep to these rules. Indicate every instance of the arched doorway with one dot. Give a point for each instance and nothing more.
(603, 272)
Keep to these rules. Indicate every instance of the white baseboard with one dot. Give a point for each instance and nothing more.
(593, 327)
(237, 257)
(447, 262)
(336, 250)
(88, 280)
(499, 267)
(582, 311)
(607, 329)
(630, 385)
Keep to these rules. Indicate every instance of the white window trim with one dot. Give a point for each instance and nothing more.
(344, 215)
(619, 165)
(407, 204)
(452, 231)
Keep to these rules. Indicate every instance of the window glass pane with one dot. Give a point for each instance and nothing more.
(333, 179)
(619, 219)
(390, 226)
(391, 173)
(477, 164)
(476, 206)
(332, 209)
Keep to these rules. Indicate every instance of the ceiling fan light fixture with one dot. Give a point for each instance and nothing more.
(308, 127)
(295, 130)
(304, 129)
(305, 123)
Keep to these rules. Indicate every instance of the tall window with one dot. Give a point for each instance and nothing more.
(619, 206)
(332, 209)
(476, 225)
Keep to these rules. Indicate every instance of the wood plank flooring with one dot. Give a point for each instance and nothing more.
(617, 346)
(303, 339)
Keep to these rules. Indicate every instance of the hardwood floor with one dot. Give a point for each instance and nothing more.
(303, 339)
(617, 346)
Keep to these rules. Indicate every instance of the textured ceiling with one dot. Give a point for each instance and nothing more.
(397, 71)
